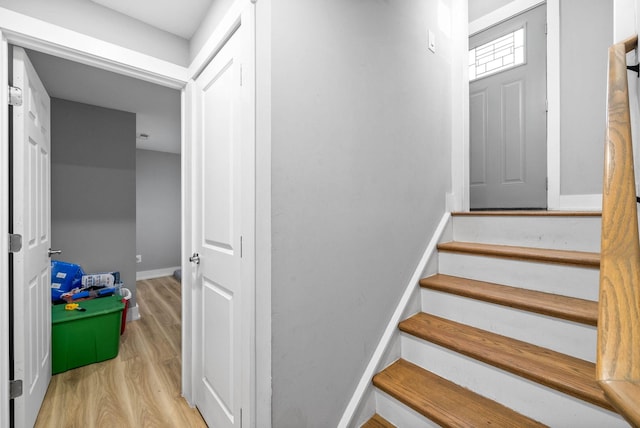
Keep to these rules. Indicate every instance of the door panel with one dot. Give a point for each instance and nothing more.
(478, 134)
(218, 184)
(513, 133)
(508, 126)
(217, 226)
(217, 375)
(32, 219)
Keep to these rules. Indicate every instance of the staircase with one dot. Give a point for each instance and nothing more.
(506, 334)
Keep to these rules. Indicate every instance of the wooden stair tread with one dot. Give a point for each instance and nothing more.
(377, 421)
(580, 258)
(562, 372)
(526, 213)
(444, 402)
(568, 308)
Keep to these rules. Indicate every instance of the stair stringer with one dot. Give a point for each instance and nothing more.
(362, 403)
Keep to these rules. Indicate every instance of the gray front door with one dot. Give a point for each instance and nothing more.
(508, 145)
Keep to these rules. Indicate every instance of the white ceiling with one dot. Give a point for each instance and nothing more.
(181, 18)
(157, 108)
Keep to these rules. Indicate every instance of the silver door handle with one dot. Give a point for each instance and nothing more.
(51, 252)
(195, 258)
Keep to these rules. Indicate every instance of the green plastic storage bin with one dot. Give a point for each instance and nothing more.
(81, 338)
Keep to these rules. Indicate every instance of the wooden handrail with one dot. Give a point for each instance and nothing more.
(618, 355)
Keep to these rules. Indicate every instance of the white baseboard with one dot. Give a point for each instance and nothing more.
(392, 328)
(133, 313)
(156, 273)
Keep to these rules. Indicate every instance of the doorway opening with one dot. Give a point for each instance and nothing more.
(508, 114)
(73, 85)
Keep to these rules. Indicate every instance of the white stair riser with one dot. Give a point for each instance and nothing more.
(566, 280)
(365, 410)
(567, 337)
(398, 414)
(529, 398)
(562, 233)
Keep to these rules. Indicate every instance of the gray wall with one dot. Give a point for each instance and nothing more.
(93, 187)
(94, 20)
(586, 32)
(157, 209)
(479, 8)
(208, 25)
(361, 134)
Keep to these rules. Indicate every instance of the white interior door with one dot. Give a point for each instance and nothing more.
(32, 220)
(507, 108)
(217, 211)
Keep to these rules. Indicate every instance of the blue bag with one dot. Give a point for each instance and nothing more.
(64, 277)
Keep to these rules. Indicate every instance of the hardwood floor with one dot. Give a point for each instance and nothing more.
(138, 388)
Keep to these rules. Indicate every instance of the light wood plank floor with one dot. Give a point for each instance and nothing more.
(138, 388)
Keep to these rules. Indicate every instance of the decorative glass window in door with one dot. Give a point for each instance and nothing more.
(500, 54)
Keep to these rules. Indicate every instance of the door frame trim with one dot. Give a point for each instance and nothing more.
(4, 232)
(555, 200)
(255, 381)
(506, 19)
(31, 33)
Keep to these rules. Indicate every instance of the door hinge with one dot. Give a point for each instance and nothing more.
(15, 242)
(240, 246)
(546, 105)
(15, 96)
(15, 388)
(546, 183)
(546, 28)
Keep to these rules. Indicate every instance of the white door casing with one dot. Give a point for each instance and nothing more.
(55, 40)
(4, 231)
(222, 164)
(555, 200)
(32, 220)
(508, 123)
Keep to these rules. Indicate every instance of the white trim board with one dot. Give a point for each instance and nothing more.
(553, 105)
(186, 109)
(45, 37)
(263, 274)
(458, 198)
(156, 273)
(392, 327)
(4, 231)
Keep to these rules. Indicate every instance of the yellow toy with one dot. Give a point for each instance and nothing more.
(73, 307)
